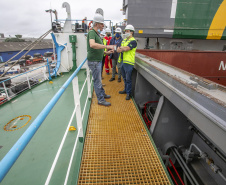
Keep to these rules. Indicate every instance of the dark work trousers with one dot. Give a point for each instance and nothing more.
(126, 70)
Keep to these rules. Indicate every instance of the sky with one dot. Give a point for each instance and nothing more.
(28, 17)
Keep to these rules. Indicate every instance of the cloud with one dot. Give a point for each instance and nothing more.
(28, 17)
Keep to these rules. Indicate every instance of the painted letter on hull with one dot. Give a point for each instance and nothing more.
(222, 66)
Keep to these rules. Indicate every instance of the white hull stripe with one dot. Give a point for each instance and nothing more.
(173, 9)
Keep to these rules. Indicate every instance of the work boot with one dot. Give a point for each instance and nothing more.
(128, 97)
(122, 92)
(119, 79)
(107, 96)
(112, 79)
(104, 103)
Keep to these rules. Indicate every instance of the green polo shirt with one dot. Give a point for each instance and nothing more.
(94, 54)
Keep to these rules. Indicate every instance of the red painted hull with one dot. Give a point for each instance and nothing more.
(207, 64)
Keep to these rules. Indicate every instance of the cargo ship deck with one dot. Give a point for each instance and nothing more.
(118, 147)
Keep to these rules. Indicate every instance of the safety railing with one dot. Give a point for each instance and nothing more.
(10, 158)
(13, 86)
(84, 26)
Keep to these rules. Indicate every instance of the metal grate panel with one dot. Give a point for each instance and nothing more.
(117, 147)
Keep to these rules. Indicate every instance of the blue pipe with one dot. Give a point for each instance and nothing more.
(48, 69)
(11, 157)
(58, 49)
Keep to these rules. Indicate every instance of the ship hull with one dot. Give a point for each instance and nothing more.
(207, 64)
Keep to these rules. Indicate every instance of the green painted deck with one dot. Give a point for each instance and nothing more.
(33, 165)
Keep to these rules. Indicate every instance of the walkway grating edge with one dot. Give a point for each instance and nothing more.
(118, 149)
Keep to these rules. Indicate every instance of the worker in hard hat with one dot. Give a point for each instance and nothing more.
(102, 34)
(106, 53)
(107, 59)
(95, 52)
(116, 41)
(84, 24)
(127, 52)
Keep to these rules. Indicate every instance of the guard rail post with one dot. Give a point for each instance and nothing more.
(88, 81)
(77, 104)
(28, 82)
(50, 78)
(6, 92)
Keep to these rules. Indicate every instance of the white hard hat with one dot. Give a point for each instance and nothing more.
(103, 32)
(98, 18)
(118, 30)
(130, 27)
(107, 30)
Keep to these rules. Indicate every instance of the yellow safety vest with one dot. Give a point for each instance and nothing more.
(128, 56)
(105, 43)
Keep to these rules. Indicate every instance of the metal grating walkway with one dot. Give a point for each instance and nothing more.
(117, 147)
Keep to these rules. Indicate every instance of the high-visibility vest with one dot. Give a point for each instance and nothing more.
(105, 43)
(128, 56)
